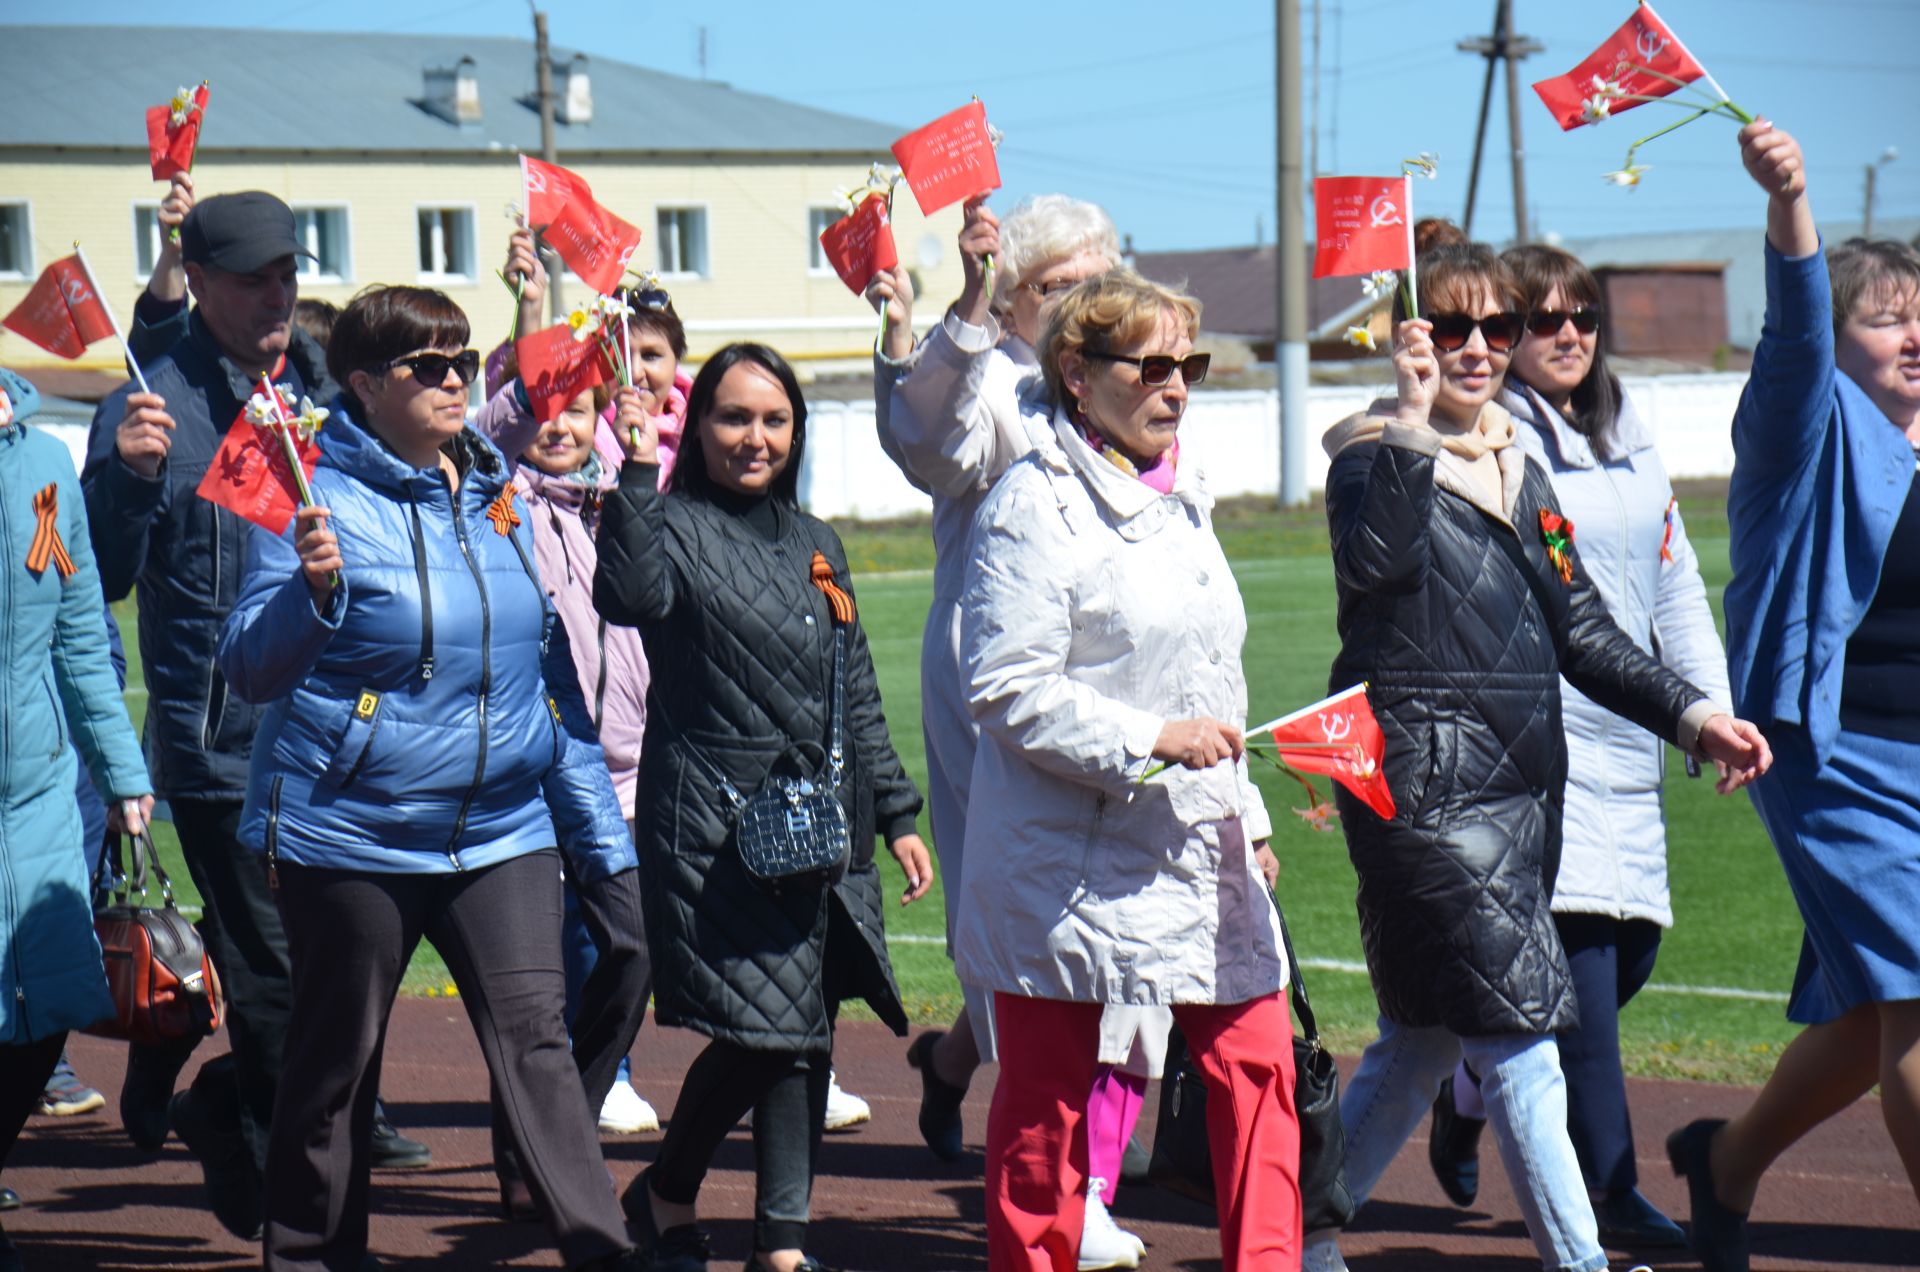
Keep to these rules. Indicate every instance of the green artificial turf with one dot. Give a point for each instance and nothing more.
(1736, 927)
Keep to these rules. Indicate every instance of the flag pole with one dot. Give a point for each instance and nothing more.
(80, 253)
(1413, 271)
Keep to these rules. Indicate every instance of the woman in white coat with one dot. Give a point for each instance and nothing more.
(1610, 900)
(1101, 633)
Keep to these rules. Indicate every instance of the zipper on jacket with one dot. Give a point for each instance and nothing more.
(426, 589)
(6, 769)
(486, 675)
(360, 761)
(208, 728)
(600, 684)
(59, 718)
(273, 835)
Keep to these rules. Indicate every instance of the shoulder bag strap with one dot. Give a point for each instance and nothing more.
(1296, 981)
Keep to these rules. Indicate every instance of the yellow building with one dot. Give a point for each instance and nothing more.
(399, 154)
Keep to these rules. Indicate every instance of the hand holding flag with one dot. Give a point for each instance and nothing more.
(261, 469)
(590, 238)
(951, 160)
(1364, 225)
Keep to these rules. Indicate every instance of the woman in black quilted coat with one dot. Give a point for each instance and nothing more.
(1461, 604)
(735, 592)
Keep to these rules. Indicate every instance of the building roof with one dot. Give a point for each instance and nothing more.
(89, 87)
(1237, 287)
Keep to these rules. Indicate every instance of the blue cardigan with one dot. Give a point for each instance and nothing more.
(1819, 479)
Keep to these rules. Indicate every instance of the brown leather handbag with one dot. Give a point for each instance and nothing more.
(164, 987)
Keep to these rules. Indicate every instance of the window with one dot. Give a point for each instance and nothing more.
(323, 231)
(682, 241)
(146, 239)
(446, 244)
(16, 241)
(818, 219)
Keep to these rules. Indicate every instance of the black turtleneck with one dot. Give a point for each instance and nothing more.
(757, 511)
(1881, 683)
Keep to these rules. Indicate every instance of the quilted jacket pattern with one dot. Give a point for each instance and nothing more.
(1462, 628)
(740, 642)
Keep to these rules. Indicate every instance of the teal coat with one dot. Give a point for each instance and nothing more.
(58, 685)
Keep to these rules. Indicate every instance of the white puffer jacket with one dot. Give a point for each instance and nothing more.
(1095, 610)
(1634, 546)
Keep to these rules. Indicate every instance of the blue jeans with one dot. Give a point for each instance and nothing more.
(1526, 1100)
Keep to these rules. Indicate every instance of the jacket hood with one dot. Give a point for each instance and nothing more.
(349, 446)
(1573, 448)
(567, 490)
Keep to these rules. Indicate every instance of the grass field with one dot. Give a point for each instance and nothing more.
(1714, 1008)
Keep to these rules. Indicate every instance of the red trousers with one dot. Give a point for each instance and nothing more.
(1037, 1133)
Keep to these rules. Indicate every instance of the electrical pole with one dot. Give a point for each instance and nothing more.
(543, 81)
(1873, 176)
(1290, 258)
(1502, 46)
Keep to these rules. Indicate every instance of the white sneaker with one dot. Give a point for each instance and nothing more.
(1103, 1243)
(844, 1111)
(1322, 1256)
(623, 1112)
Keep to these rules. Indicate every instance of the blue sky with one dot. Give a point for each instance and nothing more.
(1164, 112)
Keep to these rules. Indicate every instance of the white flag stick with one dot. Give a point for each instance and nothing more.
(112, 321)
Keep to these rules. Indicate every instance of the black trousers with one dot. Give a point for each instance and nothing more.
(243, 931)
(24, 1070)
(352, 934)
(1611, 960)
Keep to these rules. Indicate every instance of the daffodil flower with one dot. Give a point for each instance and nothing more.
(1379, 283)
(1627, 176)
(585, 323)
(995, 136)
(1425, 164)
(1595, 109)
(263, 411)
(310, 418)
(1361, 338)
(182, 106)
(612, 309)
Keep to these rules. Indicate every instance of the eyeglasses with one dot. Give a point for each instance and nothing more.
(431, 369)
(1052, 286)
(1157, 368)
(1452, 331)
(1547, 322)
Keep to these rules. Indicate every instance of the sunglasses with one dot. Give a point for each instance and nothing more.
(1452, 331)
(1052, 287)
(431, 369)
(1157, 368)
(1547, 322)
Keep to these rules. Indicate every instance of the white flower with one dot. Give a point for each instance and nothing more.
(585, 321)
(1608, 88)
(1425, 164)
(1627, 176)
(1595, 109)
(263, 410)
(611, 309)
(1361, 338)
(310, 418)
(182, 106)
(995, 136)
(1379, 283)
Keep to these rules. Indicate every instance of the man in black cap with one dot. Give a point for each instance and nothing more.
(146, 456)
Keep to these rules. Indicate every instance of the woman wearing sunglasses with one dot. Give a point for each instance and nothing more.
(424, 750)
(1100, 636)
(1462, 603)
(1610, 898)
(1823, 629)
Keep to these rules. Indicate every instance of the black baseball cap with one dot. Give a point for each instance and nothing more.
(240, 232)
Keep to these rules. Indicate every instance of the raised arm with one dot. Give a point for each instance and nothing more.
(283, 622)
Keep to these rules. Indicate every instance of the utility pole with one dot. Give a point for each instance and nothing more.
(543, 81)
(1873, 176)
(1290, 258)
(1502, 46)
(1313, 133)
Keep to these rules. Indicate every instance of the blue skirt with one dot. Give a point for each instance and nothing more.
(1848, 834)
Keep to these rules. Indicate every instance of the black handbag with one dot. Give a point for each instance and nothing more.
(793, 828)
(1181, 1160)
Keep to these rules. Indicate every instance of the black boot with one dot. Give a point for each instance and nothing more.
(212, 1134)
(146, 1090)
(1453, 1149)
(394, 1151)
(939, 1101)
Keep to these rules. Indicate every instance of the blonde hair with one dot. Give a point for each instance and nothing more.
(1045, 228)
(1109, 312)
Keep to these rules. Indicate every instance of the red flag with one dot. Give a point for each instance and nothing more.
(62, 313)
(249, 475)
(556, 368)
(950, 160)
(1643, 44)
(1361, 224)
(861, 245)
(1339, 737)
(170, 144)
(595, 244)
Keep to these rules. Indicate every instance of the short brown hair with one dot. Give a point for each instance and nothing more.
(1454, 270)
(1107, 312)
(1863, 268)
(316, 318)
(383, 323)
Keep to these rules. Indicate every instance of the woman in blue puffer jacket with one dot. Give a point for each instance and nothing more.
(56, 678)
(425, 750)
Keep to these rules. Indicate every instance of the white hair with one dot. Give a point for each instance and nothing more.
(1045, 228)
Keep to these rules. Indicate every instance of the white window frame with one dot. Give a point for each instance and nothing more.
(473, 216)
(26, 246)
(659, 240)
(319, 276)
(822, 267)
(158, 241)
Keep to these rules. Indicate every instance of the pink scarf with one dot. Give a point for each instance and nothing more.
(1158, 476)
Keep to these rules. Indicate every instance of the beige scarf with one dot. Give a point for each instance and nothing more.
(1480, 464)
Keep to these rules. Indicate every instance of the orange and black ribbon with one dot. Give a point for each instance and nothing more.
(501, 513)
(46, 535)
(836, 596)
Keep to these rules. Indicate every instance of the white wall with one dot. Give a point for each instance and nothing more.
(1234, 436)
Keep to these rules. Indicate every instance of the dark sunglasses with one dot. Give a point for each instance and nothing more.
(1547, 322)
(1157, 368)
(431, 369)
(1452, 331)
